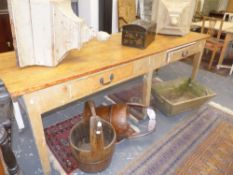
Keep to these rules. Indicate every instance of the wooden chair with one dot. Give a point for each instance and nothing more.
(126, 12)
(213, 27)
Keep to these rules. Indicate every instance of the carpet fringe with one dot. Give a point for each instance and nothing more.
(220, 107)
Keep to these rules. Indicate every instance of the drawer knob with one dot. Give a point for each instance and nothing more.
(111, 77)
(8, 44)
(185, 53)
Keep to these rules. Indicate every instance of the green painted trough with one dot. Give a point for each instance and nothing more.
(180, 95)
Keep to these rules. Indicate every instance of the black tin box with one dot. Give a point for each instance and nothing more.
(138, 34)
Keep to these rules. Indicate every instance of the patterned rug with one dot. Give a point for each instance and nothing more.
(57, 141)
(202, 144)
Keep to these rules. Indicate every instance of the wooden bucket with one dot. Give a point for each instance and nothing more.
(93, 144)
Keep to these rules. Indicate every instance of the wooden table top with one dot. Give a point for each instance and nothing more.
(229, 30)
(227, 26)
(95, 56)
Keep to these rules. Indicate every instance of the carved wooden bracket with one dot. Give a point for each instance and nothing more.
(44, 31)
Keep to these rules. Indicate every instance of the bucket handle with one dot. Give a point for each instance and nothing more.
(92, 107)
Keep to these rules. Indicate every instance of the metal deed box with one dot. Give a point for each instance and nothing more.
(138, 34)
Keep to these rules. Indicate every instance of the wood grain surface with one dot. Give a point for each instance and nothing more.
(126, 12)
(227, 26)
(230, 6)
(94, 57)
(213, 156)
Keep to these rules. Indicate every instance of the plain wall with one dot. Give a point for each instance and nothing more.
(89, 11)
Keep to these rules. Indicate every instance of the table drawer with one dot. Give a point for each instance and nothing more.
(184, 51)
(141, 66)
(75, 89)
(158, 60)
(100, 81)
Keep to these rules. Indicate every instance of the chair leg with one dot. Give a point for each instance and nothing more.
(212, 59)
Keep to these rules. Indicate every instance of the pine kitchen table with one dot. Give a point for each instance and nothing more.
(97, 66)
